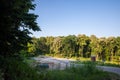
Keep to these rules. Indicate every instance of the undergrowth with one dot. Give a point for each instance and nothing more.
(15, 69)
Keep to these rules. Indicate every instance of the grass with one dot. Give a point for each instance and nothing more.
(82, 60)
(100, 63)
(16, 69)
(86, 72)
(19, 70)
(30, 62)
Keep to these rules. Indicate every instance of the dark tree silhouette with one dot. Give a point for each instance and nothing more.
(15, 23)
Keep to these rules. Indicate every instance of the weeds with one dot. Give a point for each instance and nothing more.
(13, 69)
(19, 70)
(85, 72)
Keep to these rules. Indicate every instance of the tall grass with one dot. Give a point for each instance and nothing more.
(14, 69)
(19, 70)
(85, 72)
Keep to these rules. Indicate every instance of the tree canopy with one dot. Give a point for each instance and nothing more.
(15, 24)
(79, 46)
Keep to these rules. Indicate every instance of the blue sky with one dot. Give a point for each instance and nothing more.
(73, 17)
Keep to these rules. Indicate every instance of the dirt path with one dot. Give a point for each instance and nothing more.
(62, 63)
(54, 63)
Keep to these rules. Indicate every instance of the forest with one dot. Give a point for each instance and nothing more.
(77, 46)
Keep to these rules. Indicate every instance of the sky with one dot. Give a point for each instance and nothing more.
(73, 17)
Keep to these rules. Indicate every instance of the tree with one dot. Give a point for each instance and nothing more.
(83, 41)
(117, 50)
(111, 47)
(94, 45)
(68, 45)
(49, 43)
(15, 23)
(101, 48)
(38, 46)
(57, 45)
(118, 46)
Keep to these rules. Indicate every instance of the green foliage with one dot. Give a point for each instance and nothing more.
(57, 45)
(94, 45)
(84, 49)
(37, 47)
(117, 40)
(14, 69)
(87, 72)
(68, 45)
(19, 70)
(15, 23)
(107, 49)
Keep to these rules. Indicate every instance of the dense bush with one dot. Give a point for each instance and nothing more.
(15, 69)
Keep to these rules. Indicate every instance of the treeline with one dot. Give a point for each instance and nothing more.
(77, 46)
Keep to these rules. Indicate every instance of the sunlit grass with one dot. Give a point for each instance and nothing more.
(98, 62)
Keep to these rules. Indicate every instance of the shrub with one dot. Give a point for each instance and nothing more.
(15, 69)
